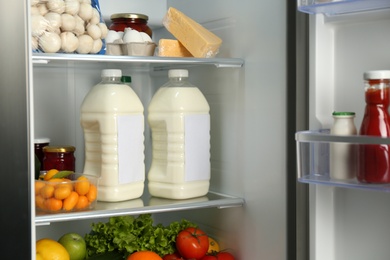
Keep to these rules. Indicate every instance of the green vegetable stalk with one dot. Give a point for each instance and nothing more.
(127, 234)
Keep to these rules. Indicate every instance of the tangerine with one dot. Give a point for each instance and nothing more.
(53, 204)
(92, 193)
(62, 192)
(70, 202)
(82, 185)
(50, 174)
(47, 191)
(82, 202)
(142, 255)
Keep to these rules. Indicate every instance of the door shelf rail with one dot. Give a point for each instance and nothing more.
(137, 61)
(337, 7)
(144, 205)
(313, 158)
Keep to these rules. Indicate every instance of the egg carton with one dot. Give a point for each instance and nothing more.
(131, 48)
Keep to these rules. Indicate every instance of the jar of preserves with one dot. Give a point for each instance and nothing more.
(137, 22)
(374, 159)
(59, 157)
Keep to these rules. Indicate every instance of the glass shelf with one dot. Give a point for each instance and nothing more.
(145, 204)
(336, 7)
(313, 158)
(138, 61)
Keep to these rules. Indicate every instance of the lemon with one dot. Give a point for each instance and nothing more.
(48, 249)
(213, 246)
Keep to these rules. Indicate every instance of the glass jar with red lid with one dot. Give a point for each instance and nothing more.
(137, 22)
(59, 157)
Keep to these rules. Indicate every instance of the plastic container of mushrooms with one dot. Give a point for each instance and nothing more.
(67, 26)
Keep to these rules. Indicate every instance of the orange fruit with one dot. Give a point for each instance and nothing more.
(82, 185)
(143, 255)
(47, 191)
(53, 204)
(50, 249)
(82, 202)
(92, 193)
(50, 174)
(40, 202)
(70, 202)
(38, 186)
(62, 192)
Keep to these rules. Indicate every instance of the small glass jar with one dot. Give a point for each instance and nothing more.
(39, 143)
(137, 22)
(59, 157)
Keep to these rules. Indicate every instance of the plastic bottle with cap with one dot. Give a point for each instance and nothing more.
(179, 119)
(113, 123)
(343, 156)
(374, 159)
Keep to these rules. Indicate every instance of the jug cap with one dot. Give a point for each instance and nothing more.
(178, 73)
(111, 73)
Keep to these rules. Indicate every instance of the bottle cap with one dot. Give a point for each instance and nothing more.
(178, 73)
(343, 113)
(126, 79)
(59, 149)
(42, 140)
(377, 74)
(111, 73)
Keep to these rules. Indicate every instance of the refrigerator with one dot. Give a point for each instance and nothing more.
(282, 69)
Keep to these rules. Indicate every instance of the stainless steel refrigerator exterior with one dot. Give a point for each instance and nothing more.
(253, 111)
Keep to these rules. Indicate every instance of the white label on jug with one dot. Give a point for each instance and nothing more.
(130, 148)
(197, 145)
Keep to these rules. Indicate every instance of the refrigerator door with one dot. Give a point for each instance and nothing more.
(15, 153)
(346, 223)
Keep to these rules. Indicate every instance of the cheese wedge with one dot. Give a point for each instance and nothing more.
(199, 41)
(172, 48)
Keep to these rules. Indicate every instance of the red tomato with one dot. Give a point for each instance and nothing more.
(174, 256)
(219, 256)
(192, 243)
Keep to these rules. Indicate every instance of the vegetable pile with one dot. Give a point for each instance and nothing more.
(128, 234)
(124, 237)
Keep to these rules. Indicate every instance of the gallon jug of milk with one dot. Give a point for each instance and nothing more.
(113, 124)
(179, 118)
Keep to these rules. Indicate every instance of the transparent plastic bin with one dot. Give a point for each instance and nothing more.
(336, 7)
(313, 158)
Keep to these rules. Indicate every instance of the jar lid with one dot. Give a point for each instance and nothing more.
(377, 74)
(41, 140)
(59, 149)
(129, 16)
(111, 73)
(178, 73)
(343, 113)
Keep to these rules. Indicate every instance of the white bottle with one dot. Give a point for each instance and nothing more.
(343, 156)
(113, 123)
(179, 119)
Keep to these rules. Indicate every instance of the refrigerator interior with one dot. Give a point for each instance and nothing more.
(248, 121)
(346, 223)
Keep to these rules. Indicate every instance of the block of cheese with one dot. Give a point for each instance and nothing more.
(199, 41)
(172, 48)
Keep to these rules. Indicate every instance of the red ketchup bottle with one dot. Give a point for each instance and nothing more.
(374, 160)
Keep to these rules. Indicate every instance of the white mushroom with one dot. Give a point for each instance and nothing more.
(34, 43)
(34, 10)
(72, 7)
(94, 31)
(54, 20)
(69, 42)
(57, 6)
(50, 42)
(85, 44)
(42, 9)
(38, 25)
(68, 22)
(95, 17)
(80, 28)
(104, 29)
(97, 46)
(86, 11)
